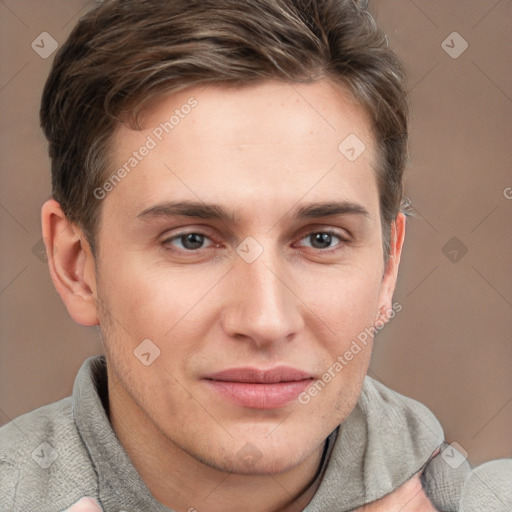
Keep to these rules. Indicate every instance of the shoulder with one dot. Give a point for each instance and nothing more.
(395, 405)
(21, 436)
(42, 421)
(404, 437)
(43, 460)
(399, 423)
(452, 484)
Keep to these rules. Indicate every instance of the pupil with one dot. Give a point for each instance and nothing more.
(321, 240)
(192, 241)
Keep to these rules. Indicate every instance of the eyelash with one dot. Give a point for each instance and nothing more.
(166, 243)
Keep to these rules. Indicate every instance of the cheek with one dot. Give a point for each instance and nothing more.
(345, 310)
(347, 300)
(173, 309)
(152, 299)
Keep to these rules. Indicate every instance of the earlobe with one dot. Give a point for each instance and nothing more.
(71, 264)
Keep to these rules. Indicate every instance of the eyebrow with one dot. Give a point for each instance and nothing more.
(315, 210)
(195, 209)
(200, 210)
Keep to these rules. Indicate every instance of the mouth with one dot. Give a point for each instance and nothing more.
(258, 388)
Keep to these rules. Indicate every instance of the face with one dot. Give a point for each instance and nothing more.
(246, 250)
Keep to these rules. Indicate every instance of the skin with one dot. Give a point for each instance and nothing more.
(260, 152)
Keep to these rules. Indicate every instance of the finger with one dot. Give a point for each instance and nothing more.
(85, 505)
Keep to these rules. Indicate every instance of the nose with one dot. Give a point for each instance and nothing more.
(262, 306)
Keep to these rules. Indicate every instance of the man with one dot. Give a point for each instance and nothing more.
(227, 182)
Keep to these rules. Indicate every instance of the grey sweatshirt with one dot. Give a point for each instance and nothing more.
(57, 454)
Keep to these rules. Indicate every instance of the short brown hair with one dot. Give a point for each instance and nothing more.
(124, 52)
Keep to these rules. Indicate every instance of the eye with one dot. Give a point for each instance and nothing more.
(322, 240)
(188, 241)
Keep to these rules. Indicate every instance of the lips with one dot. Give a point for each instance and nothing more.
(258, 388)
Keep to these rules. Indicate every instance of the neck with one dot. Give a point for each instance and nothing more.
(185, 484)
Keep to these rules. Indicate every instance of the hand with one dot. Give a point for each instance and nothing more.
(85, 505)
(409, 497)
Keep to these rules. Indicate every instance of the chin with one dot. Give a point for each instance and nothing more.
(266, 464)
(257, 457)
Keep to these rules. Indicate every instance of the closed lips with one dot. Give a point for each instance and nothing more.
(259, 389)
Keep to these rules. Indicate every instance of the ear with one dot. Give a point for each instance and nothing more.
(71, 264)
(388, 283)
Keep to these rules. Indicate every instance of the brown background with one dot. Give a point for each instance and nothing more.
(450, 347)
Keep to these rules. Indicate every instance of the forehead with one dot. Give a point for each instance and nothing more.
(248, 146)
